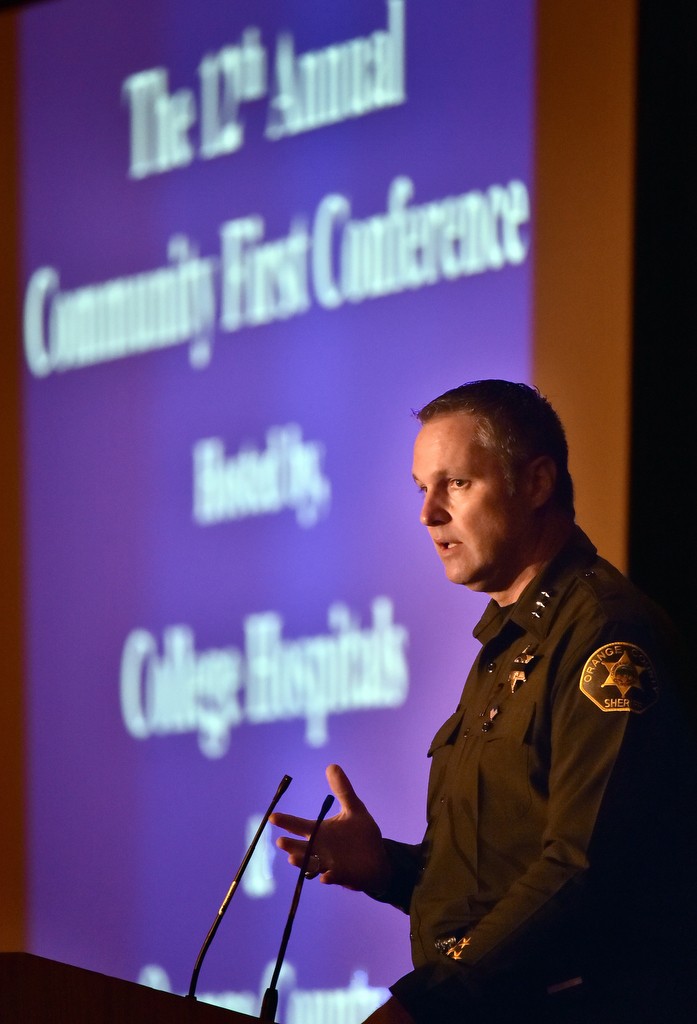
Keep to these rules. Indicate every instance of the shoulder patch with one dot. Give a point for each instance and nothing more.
(620, 677)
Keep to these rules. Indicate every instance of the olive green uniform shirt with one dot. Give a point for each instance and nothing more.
(556, 827)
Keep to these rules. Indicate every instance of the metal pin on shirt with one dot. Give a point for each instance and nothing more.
(518, 674)
(493, 712)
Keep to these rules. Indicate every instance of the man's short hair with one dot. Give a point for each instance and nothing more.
(514, 422)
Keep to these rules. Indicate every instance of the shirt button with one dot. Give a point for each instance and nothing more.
(491, 666)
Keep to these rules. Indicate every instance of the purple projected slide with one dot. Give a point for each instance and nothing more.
(256, 236)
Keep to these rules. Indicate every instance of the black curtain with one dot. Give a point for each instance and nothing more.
(663, 509)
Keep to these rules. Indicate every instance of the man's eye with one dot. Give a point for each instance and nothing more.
(457, 482)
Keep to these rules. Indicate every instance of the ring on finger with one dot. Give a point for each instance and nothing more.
(317, 866)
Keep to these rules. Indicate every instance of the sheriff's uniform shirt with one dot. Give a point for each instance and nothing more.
(558, 796)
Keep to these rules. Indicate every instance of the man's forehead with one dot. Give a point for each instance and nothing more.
(446, 442)
(447, 431)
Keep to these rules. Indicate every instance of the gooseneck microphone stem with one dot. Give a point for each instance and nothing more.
(282, 787)
(270, 1002)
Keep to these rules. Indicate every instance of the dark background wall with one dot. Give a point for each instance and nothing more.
(663, 546)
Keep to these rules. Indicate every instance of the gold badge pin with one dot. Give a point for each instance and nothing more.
(518, 674)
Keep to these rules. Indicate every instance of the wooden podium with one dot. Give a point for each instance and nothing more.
(34, 990)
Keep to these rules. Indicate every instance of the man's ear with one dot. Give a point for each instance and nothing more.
(541, 479)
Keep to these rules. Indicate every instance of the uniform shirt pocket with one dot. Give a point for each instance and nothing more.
(506, 763)
(439, 751)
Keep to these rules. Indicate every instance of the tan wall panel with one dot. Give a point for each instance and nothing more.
(12, 903)
(584, 248)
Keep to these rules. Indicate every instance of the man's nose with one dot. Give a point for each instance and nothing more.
(432, 511)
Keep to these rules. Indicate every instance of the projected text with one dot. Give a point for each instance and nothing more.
(306, 91)
(180, 690)
(286, 475)
(339, 259)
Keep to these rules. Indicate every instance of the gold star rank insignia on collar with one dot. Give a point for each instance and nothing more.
(518, 674)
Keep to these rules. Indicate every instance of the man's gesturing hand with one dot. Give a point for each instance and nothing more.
(348, 847)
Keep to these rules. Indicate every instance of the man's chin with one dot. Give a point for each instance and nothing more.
(464, 579)
(456, 575)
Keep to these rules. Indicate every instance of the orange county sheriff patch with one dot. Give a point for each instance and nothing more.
(620, 677)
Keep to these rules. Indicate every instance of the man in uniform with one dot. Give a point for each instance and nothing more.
(555, 880)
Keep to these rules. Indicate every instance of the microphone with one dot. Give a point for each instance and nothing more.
(282, 787)
(270, 1001)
